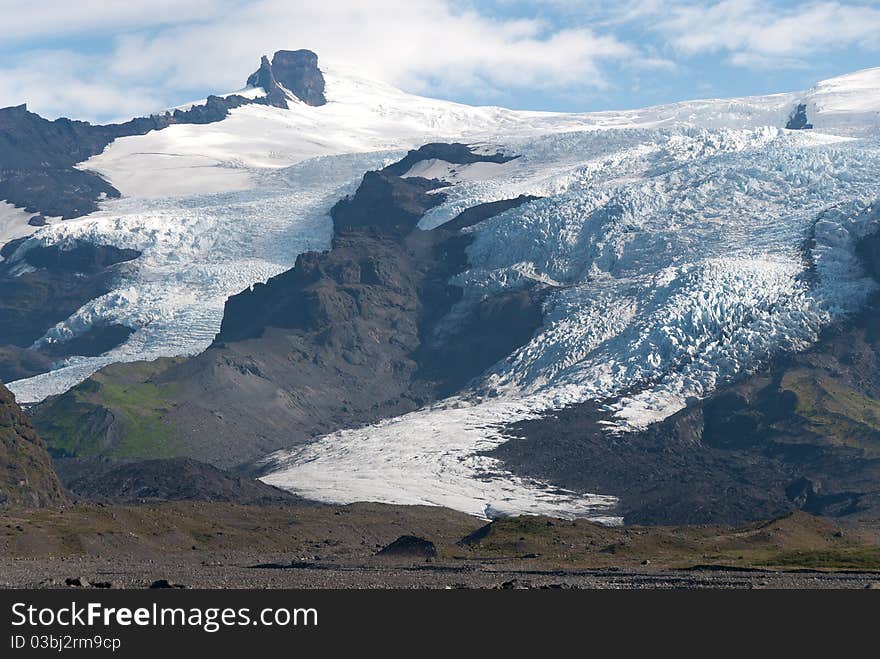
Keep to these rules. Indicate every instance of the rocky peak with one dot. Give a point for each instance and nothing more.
(296, 71)
(263, 77)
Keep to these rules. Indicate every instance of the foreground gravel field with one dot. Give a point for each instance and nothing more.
(245, 571)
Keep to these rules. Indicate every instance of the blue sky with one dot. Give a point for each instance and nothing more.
(109, 59)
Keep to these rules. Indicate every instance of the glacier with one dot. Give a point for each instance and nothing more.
(686, 243)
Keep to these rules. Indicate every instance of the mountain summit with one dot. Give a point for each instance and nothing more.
(294, 71)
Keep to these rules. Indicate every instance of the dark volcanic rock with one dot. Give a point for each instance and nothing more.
(99, 339)
(65, 278)
(27, 141)
(65, 192)
(37, 221)
(37, 156)
(164, 583)
(455, 153)
(782, 439)
(662, 476)
(215, 108)
(9, 248)
(83, 258)
(798, 119)
(494, 328)
(297, 71)
(172, 479)
(26, 474)
(263, 77)
(388, 203)
(17, 363)
(476, 214)
(37, 159)
(410, 546)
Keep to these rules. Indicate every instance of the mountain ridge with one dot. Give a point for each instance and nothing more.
(640, 260)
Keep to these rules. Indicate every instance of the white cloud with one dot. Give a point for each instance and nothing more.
(113, 59)
(65, 83)
(24, 20)
(424, 45)
(759, 34)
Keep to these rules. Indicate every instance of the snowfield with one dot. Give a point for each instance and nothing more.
(687, 243)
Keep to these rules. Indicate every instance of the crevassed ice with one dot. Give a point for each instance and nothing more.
(681, 260)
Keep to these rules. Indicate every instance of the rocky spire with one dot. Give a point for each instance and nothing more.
(296, 71)
(263, 76)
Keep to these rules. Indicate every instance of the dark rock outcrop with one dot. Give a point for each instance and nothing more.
(798, 119)
(17, 363)
(214, 109)
(263, 77)
(409, 546)
(58, 281)
(9, 248)
(387, 203)
(26, 474)
(37, 156)
(454, 153)
(62, 279)
(297, 71)
(476, 214)
(100, 338)
(83, 258)
(37, 159)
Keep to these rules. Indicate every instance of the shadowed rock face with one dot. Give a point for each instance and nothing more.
(388, 203)
(18, 363)
(37, 156)
(798, 119)
(60, 281)
(37, 159)
(83, 258)
(26, 474)
(455, 153)
(410, 546)
(297, 71)
(476, 214)
(172, 479)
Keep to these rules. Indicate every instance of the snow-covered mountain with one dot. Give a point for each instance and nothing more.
(682, 245)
